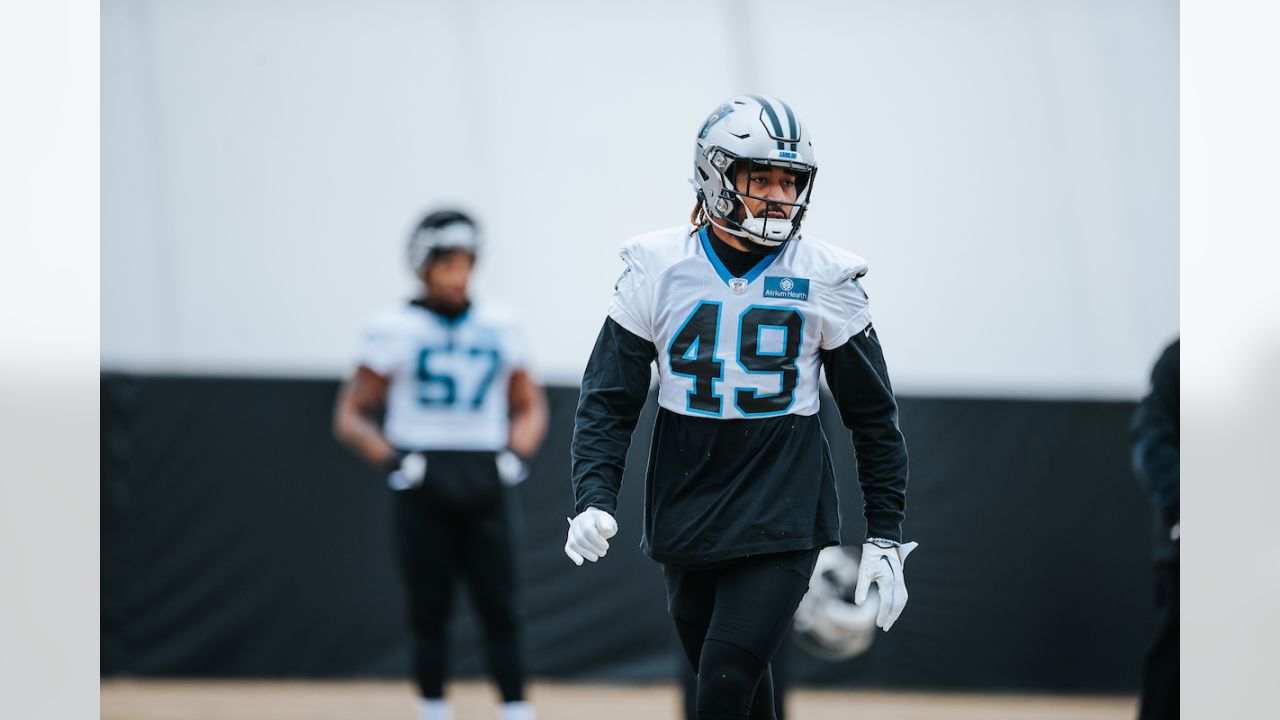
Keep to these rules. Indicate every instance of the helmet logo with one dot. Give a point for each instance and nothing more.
(720, 113)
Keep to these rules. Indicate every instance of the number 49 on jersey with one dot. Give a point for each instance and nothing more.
(692, 354)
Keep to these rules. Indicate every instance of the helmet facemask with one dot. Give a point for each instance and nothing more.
(729, 211)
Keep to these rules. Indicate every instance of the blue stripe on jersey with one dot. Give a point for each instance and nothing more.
(723, 271)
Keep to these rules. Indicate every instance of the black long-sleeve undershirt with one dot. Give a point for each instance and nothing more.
(859, 382)
(1154, 434)
(614, 389)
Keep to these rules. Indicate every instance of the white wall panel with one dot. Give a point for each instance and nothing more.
(1008, 167)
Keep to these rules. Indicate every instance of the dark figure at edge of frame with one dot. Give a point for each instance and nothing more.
(1154, 436)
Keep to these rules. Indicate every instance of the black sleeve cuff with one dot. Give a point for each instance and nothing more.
(600, 500)
(889, 528)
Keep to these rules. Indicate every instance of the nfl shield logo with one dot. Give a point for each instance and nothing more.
(738, 286)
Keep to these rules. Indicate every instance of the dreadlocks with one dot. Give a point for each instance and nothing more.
(698, 216)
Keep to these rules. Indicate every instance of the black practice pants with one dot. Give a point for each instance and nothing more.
(456, 527)
(779, 672)
(731, 618)
(1160, 672)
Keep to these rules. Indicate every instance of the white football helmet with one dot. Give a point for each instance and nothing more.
(441, 231)
(759, 130)
(827, 624)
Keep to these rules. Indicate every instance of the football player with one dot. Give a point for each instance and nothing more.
(1154, 434)
(740, 311)
(461, 414)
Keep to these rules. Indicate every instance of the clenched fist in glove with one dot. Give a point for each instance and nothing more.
(881, 564)
(406, 470)
(589, 535)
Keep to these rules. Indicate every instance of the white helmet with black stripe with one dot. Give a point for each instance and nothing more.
(828, 623)
(439, 232)
(762, 131)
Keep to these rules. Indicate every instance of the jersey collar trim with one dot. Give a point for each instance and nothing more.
(723, 271)
(445, 320)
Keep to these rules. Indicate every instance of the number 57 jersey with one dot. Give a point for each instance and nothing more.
(738, 347)
(448, 378)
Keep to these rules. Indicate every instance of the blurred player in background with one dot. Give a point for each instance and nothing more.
(1156, 461)
(461, 416)
(740, 313)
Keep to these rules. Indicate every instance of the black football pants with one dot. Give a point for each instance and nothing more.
(456, 527)
(731, 618)
(779, 671)
(1160, 671)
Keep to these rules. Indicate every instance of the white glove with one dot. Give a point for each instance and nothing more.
(512, 470)
(589, 535)
(410, 473)
(883, 566)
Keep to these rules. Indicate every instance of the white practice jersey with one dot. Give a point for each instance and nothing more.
(743, 347)
(448, 378)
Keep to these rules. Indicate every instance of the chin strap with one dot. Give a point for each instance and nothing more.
(766, 242)
(750, 236)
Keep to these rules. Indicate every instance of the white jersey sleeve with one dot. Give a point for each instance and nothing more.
(641, 294)
(844, 307)
(632, 305)
(514, 348)
(382, 347)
